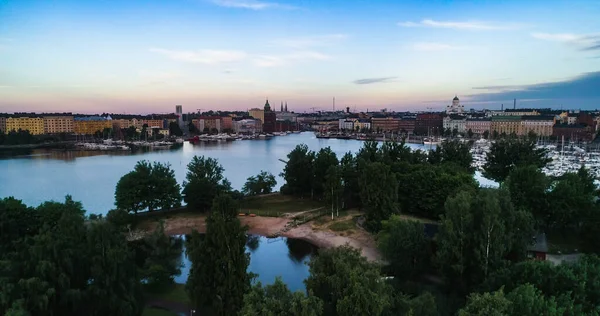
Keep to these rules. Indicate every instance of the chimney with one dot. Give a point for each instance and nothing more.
(502, 107)
(347, 109)
(515, 104)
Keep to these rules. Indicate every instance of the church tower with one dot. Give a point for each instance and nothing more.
(267, 106)
(286, 106)
(281, 107)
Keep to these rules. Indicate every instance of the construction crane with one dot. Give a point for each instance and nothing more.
(314, 108)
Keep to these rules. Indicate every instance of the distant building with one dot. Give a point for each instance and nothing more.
(58, 124)
(478, 125)
(407, 125)
(90, 125)
(208, 123)
(538, 249)
(429, 124)
(574, 132)
(269, 119)
(179, 113)
(35, 125)
(506, 124)
(258, 114)
(226, 123)
(456, 107)
(514, 112)
(385, 124)
(539, 124)
(455, 122)
(3, 124)
(246, 126)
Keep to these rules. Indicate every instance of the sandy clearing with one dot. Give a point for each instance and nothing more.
(265, 226)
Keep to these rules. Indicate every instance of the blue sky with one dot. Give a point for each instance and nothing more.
(146, 56)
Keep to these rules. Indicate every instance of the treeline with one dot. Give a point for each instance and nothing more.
(55, 261)
(24, 137)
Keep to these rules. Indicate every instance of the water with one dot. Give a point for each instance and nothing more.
(91, 177)
(269, 258)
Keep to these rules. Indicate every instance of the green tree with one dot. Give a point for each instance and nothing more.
(324, 159)
(528, 187)
(506, 154)
(203, 182)
(470, 133)
(163, 259)
(486, 304)
(114, 284)
(218, 276)
(347, 283)
(349, 173)
(262, 183)
(570, 200)
(378, 193)
(403, 244)
(193, 129)
(175, 130)
(455, 152)
(148, 187)
(277, 300)
(298, 172)
(334, 188)
(486, 134)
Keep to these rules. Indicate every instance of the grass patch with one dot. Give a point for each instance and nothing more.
(342, 225)
(277, 205)
(150, 311)
(175, 293)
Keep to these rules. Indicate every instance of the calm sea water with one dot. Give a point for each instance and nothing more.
(270, 258)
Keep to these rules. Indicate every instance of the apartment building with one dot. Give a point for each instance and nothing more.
(35, 125)
(506, 124)
(407, 125)
(429, 124)
(2, 124)
(58, 124)
(385, 124)
(478, 125)
(539, 124)
(90, 125)
(455, 122)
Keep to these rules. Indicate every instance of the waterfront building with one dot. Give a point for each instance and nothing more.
(407, 125)
(573, 132)
(429, 124)
(58, 124)
(208, 123)
(90, 125)
(246, 126)
(478, 125)
(346, 124)
(226, 123)
(258, 114)
(179, 113)
(164, 132)
(539, 124)
(453, 122)
(514, 112)
(572, 118)
(269, 119)
(363, 124)
(506, 124)
(456, 107)
(35, 125)
(385, 124)
(2, 124)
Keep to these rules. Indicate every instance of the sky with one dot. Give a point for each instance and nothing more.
(146, 56)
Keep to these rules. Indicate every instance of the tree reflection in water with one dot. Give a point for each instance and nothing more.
(253, 242)
(299, 250)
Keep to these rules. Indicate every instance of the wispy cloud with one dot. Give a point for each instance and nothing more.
(252, 4)
(460, 25)
(203, 56)
(374, 80)
(282, 60)
(310, 41)
(583, 42)
(435, 47)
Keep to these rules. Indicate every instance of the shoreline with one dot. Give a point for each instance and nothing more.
(267, 226)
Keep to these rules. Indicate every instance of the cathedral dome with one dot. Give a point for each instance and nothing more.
(455, 98)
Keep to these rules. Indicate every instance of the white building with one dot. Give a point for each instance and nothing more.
(246, 126)
(455, 122)
(347, 124)
(455, 108)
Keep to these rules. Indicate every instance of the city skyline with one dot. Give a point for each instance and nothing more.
(147, 56)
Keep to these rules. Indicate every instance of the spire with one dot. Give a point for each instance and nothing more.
(286, 106)
(281, 106)
(267, 106)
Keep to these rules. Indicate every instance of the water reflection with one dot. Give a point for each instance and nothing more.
(269, 258)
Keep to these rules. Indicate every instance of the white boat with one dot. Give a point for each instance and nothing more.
(431, 141)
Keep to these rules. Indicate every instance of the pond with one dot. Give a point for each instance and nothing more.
(269, 258)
